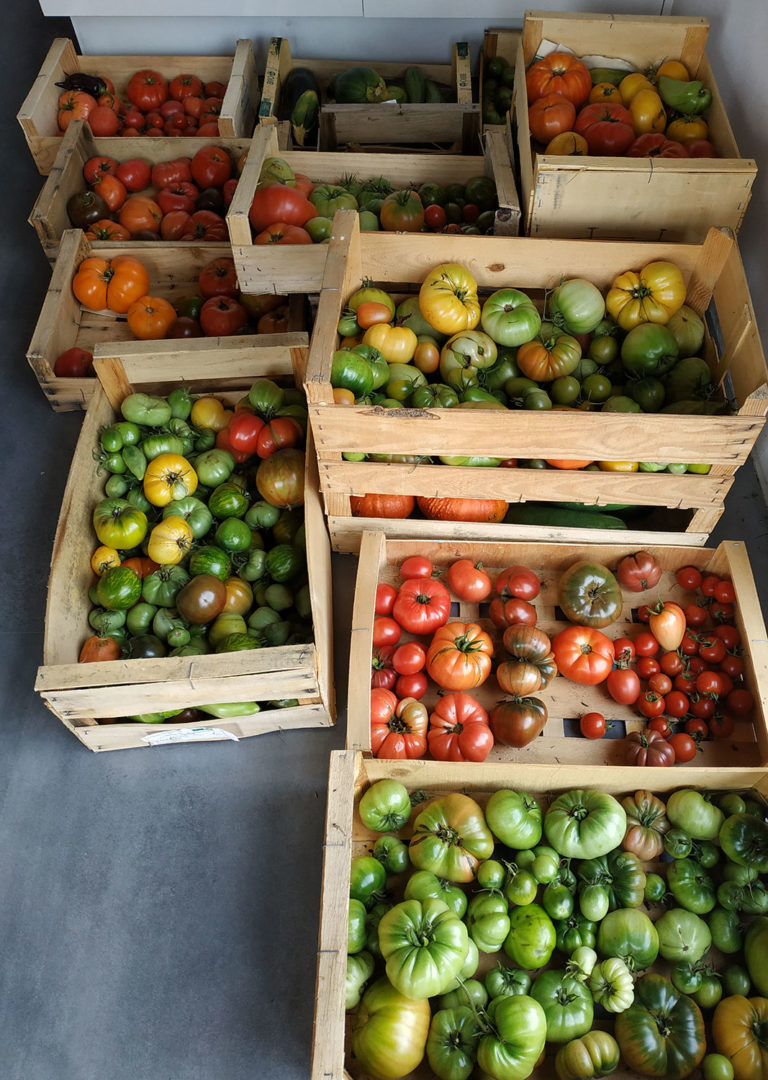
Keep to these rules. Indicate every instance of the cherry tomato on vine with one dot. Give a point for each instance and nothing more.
(624, 648)
(695, 665)
(650, 703)
(385, 631)
(435, 216)
(697, 728)
(688, 577)
(732, 665)
(416, 566)
(647, 666)
(409, 658)
(709, 583)
(695, 614)
(684, 683)
(702, 706)
(725, 592)
(660, 683)
(726, 682)
(592, 725)
(712, 649)
(644, 613)
(729, 634)
(689, 646)
(721, 612)
(660, 724)
(385, 599)
(683, 745)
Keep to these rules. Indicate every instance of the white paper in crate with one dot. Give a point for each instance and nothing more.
(546, 47)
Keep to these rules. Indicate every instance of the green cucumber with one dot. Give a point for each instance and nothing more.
(609, 507)
(432, 95)
(300, 103)
(550, 514)
(415, 85)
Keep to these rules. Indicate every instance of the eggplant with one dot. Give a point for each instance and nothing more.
(88, 84)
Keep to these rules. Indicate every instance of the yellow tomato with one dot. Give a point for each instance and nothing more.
(397, 344)
(605, 91)
(674, 69)
(208, 412)
(350, 342)
(342, 396)
(169, 477)
(448, 299)
(736, 1029)
(618, 466)
(170, 540)
(632, 84)
(104, 558)
(569, 144)
(686, 129)
(653, 295)
(648, 112)
(229, 622)
(239, 596)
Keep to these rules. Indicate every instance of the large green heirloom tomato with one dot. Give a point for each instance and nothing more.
(424, 945)
(195, 513)
(385, 806)
(488, 921)
(648, 349)
(367, 879)
(594, 1055)
(424, 885)
(213, 467)
(359, 970)
(743, 838)
(756, 951)
(662, 1032)
(118, 524)
(583, 824)
(532, 937)
(390, 1034)
(511, 1051)
(620, 873)
(503, 981)
(118, 588)
(576, 306)
(691, 885)
(567, 1004)
(629, 934)
(690, 810)
(589, 595)
(515, 818)
(350, 371)
(162, 586)
(510, 317)
(682, 935)
(464, 356)
(146, 409)
(452, 1043)
(450, 838)
(327, 199)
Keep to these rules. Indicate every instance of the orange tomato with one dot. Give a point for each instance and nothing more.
(139, 213)
(273, 322)
(673, 69)
(549, 116)
(108, 230)
(112, 191)
(74, 105)
(150, 318)
(564, 463)
(100, 284)
(631, 84)
(605, 91)
(426, 357)
(371, 312)
(568, 143)
(559, 73)
(342, 396)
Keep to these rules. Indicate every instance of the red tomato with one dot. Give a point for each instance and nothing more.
(697, 728)
(695, 614)
(469, 581)
(382, 672)
(549, 116)
(435, 216)
(623, 685)
(721, 612)
(709, 682)
(147, 90)
(211, 167)
(695, 665)
(385, 631)
(459, 729)
(409, 658)
(646, 644)
(204, 225)
(712, 649)
(709, 583)
(414, 685)
(725, 592)
(592, 725)
(583, 655)
(371, 313)
(179, 197)
(98, 166)
(688, 577)
(643, 613)
(684, 683)
(280, 233)
(703, 707)
(689, 646)
(607, 128)
(74, 363)
(655, 144)
(559, 73)
(624, 648)
(684, 747)
(218, 278)
(660, 724)
(244, 428)
(660, 683)
(223, 443)
(639, 572)
(517, 581)
(134, 173)
(222, 316)
(415, 566)
(112, 191)
(511, 612)
(422, 605)
(732, 665)
(184, 86)
(647, 666)
(278, 202)
(650, 703)
(721, 725)
(133, 121)
(385, 599)
(671, 663)
(676, 703)
(740, 702)
(280, 432)
(729, 634)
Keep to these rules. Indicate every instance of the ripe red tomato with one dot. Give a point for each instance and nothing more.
(278, 433)
(385, 599)
(435, 216)
(592, 725)
(676, 703)
(385, 631)
(684, 683)
(689, 646)
(469, 581)
(278, 202)
(218, 278)
(623, 685)
(660, 724)
(134, 173)
(607, 128)
(725, 592)
(721, 612)
(511, 612)
(549, 116)
(184, 86)
(729, 634)
(684, 747)
(98, 166)
(222, 316)
(415, 566)
(697, 728)
(709, 583)
(650, 703)
(732, 665)
(646, 644)
(721, 725)
(644, 613)
(712, 649)
(382, 672)
(211, 167)
(169, 173)
(559, 73)
(179, 197)
(660, 683)
(647, 666)
(409, 658)
(703, 707)
(414, 685)
(244, 428)
(671, 663)
(624, 648)
(517, 581)
(422, 605)
(639, 572)
(695, 614)
(688, 577)
(74, 363)
(709, 682)
(583, 655)
(147, 90)
(740, 702)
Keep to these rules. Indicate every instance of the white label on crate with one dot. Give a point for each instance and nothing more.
(194, 734)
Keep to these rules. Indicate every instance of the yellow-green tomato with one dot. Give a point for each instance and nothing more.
(390, 1035)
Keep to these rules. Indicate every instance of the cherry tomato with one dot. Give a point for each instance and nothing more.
(385, 599)
(623, 685)
(729, 634)
(708, 682)
(624, 649)
(382, 672)
(644, 613)
(416, 566)
(646, 644)
(721, 612)
(684, 746)
(695, 665)
(660, 724)
(435, 216)
(684, 683)
(703, 707)
(414, 685)
(385, 631)
(725, 592)
(732, 665)
(518, 581)
(740, 702)
(698, 729)
(647, 666)
(688, 577)
(671, 663)
(409, 658)
(469, 581)
(677, 703)
(712, 649)
(689, 646)
(650, 703)
(695, 614)
(709, 583)
(660, 683)
(721, 725)
(726, 683)
(592, 725)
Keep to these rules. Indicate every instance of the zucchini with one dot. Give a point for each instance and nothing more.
(415, 85)
(432, 95)
(550, 514)
(300, 103)
(609, 507)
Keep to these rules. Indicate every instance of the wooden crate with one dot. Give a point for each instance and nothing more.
(717, 288)
(455, 123)
(560, 743)
(265, 268)
(619, 197)
(81, 694)
(351, 774)
(49, 217)
(37, 115)
(173, 272)
(504, 43)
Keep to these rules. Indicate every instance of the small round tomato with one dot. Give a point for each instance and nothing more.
(650, 703)
(732, 665)
(721, 612)
(469, 581)
(385, 631)
(671, 663)
(689, 646)
(684, 746)
(646, 644)
(409, 658)
(729, 634)
(740, 702)
(688, 577)
(695, 614)
(709, 583)
(702, 706)
(624, 648)
(726, 683)
(623, 685)
(644, 613)
(712, 649)
(660, 683)
(697, 728)
(676, 703)
(518, 581)
(660, 724)
(684, 683)
(592, 725)
(695, 665)
(385, 599)
(415, 566)
(721, 725)
(647, 666)
(435, 216)
(414, 685)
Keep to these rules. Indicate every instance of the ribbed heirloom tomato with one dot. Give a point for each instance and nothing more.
(559, 73)
(583, 655)
(459, 656)
(102, 284)
(422, 605)
(458, 729)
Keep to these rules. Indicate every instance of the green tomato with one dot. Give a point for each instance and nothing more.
(731, 803)
(105, 622)
(565, 390)
(691, 885)
(510, 317)
(369, 221)
(390, 1033)
(710, 991)
(328, 198)
(557, 900)
(515, 818)
(471, 992)
(521, 887)
(488, 921)
(629, 934)
(146, 409)
(367, 879)
(689, 810)
(603, 349)
(491, 875)
(532, 937)
(546, 864)
(233, 535)
(213, 467)
(612, 985)
(594, 901)
(118, 588)
(620, 873)
(195, 513)
(119, 525)
(682, 935)
(423, 944)
(662, 1032)
(392, 853)
(576, 306)
(597, 388)
(736, 980)
(678, 843)
(255, 567)
(372, 920)
(756, 953)
(574, 932)
(743, 838)
(425, 885)
(210, 559)
(319, 228)
(385, 806)
(450, 838)
(356, 926)
(687, 977)
(512, 1049)
(717, 1067)
(595, 1054)
(648, 349)
(621, 403)
(567, 1004)
(360, 967)
(464, 356)
(503, 981)
(452, 1042)
(725, 927)
(585, 824)
(655, 888)
(138, 619)
(648, 392)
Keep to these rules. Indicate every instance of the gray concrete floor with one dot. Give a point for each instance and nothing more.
(158, 908)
